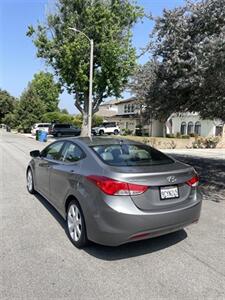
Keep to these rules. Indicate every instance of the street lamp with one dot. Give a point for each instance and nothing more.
(90, 79)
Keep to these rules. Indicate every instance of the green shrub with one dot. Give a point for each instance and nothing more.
(192, 134)
(170, 135)
(178, 135)
(209, 142)
(127, 131)
(185, 136)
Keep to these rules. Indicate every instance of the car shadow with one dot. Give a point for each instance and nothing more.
(124, 251)
(136, 248)
(212, 174)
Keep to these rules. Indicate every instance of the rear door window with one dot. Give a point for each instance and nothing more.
(130, 155)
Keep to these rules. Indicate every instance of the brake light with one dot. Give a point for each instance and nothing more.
(113, 187)
(193, 181)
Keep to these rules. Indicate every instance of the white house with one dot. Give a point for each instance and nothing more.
(127, 114)
(191, 123)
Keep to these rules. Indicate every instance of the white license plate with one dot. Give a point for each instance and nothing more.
(169, 192)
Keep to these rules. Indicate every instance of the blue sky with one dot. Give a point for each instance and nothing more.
(18, 61)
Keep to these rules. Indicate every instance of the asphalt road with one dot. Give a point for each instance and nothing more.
(37, 261)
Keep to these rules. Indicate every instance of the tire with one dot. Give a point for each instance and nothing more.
(76, 227)
(30, 181)
(116, 132)
(101, 132)
(58, 134)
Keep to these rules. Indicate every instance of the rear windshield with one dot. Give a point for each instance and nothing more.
(62, 126)
(130, 155)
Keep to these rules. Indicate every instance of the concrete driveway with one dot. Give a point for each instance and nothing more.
(37, 261)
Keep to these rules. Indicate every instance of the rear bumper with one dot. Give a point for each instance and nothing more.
(113, 228)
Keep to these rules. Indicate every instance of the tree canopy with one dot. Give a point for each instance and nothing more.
(41, 96)
(188, 53)
(108, 23)
(29, 110)
(7, 104)
(46, 90)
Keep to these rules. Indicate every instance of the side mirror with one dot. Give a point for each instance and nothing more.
(35, 153)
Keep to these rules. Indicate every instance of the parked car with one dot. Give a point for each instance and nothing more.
(106, 128)
(59, 130)
(113, 191)
(40, 126)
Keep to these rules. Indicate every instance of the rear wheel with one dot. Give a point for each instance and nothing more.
(101, 132)
(116, 132)
(30, 182)
(76, 225)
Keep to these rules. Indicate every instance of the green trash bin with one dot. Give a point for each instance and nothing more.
(36, 135)
(39, 134)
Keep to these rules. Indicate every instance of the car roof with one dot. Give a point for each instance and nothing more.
(95, 141)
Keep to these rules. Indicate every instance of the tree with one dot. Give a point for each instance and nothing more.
(30, 109)
(7, 104)
(97, 120)
(46, 90)
(188, 44)
(57, 116)
(108, 23)
(64, 111)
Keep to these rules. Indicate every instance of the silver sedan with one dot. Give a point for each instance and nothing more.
(114, 191)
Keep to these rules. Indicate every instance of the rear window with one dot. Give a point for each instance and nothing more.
(62, 126)
(130, 155)
(43, 125)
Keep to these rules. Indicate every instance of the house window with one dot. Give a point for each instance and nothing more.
(128, 108)
(198, 128)
(183, 128)
(190, 128)
(132, 108)
(125, 108)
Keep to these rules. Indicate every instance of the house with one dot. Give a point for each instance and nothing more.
(127, 115)
(191, 123)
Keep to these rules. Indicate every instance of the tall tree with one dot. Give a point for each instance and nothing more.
(7, 104)
(108, 23)
(188, 44)
(30, 109)
(46, 89)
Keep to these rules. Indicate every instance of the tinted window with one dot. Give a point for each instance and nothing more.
(130, 155)
(53, 151)
(72, 153)
(62, 126)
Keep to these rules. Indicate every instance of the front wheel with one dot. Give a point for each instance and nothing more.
(116, 132)
(101, 132)
(30, 182)
(76, 225)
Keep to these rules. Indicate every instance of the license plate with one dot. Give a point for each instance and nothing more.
(169, 192)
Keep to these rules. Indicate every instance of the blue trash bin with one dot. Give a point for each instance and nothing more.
(43, 136)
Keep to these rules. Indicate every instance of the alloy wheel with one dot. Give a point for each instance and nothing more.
(74, 222)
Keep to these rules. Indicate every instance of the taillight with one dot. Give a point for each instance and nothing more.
(113, 187)
(193, 181)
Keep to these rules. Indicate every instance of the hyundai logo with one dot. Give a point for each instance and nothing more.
(171, 179)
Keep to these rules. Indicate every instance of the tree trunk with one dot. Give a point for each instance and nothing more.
(84, 111)
(84, 128)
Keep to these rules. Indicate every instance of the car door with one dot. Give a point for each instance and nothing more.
(65, 175)
(49, 156)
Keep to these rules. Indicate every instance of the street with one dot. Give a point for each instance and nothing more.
(39, 262)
